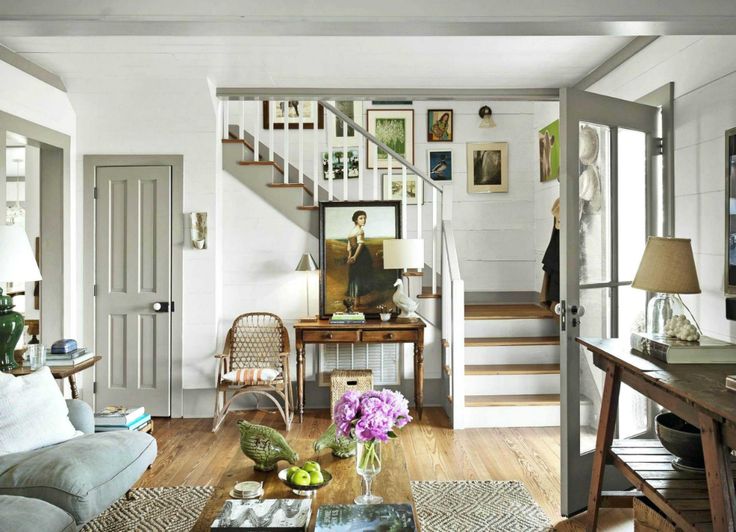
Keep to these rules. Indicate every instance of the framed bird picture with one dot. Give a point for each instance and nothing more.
(351, 255)
(439, 164)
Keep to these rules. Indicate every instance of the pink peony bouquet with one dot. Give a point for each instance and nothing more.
(372, 415)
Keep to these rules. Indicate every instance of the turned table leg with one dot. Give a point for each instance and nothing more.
(419, 377)
(300, 379)
(73, 386)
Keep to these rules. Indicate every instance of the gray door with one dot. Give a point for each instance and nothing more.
(132, 274)
(608, 170)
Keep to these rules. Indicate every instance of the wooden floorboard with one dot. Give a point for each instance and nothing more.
(190, 454)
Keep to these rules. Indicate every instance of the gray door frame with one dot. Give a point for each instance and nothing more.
(176, 162)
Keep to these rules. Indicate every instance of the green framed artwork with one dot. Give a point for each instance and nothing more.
(549, 152)
(439, 125)
(394, 128)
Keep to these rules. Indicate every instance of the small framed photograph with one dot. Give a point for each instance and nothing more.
(439, 125)
(354, 110)
(395, 128)
(393, 188)
(310, 111)
(439, 164)
(339, 162)
(488, 167)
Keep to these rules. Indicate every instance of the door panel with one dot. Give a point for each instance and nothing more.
(133, 271)
(607, 166)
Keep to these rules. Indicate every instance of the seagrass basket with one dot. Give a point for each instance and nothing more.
(342, 380)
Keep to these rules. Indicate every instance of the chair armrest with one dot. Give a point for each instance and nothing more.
(285, 354)
(81, 415)
(222, 356)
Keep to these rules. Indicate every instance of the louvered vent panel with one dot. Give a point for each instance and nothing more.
(383, 359)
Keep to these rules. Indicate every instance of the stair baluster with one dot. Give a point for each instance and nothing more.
(257, 133)
(330, 169)
(300, 167)
(375, 171)
(317, 167)
(345, 160)
(271, 116)
(287, 147)
(242, 118)
(361, 162)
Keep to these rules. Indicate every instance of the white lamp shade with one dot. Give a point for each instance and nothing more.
(16, 256)
(403, 253)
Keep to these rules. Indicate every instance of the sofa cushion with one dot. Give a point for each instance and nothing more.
(83, 475)
(21, 514)
(34, 413)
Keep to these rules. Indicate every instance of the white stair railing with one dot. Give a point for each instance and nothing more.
(440, 247)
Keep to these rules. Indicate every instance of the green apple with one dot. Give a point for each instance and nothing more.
(311, 466)
(301, 478)
(291, 471)
(315, 477)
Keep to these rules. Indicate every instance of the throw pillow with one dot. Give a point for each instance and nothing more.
(251, 375)
(33, 412)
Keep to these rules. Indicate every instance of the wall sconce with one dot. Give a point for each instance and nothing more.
(199, 229)
(486, 117)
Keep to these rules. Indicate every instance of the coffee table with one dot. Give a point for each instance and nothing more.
(392, 483)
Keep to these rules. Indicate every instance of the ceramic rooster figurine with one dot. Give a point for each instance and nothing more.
(407, 305)
(341, 447)
(264, 446)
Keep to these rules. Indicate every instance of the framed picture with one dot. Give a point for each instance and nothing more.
(549, 152)
(395, 128)
(393, 188)
(306, 109)
(337, 132)
(439, 164)
(351, 255)
(488, 167)
(338, 163)
(731, 211)
(439, 125)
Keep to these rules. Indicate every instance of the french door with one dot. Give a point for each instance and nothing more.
(609, 169)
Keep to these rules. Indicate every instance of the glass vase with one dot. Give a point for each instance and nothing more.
(368, 465)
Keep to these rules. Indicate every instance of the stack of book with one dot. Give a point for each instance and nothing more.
(673, 351)
(122, 418)
(345, 318)
(66, 352)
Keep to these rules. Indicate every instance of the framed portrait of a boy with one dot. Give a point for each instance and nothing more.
(351, 255)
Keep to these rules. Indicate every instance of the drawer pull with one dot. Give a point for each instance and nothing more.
(390, 336)
(328, 336)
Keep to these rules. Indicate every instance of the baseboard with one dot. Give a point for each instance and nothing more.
(201, 402)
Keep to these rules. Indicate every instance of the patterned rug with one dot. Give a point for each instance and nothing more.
(475, 505)
(154, 509)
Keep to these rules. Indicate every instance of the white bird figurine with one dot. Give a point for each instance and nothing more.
(407, 305)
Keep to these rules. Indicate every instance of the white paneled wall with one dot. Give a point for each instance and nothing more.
(705, 106)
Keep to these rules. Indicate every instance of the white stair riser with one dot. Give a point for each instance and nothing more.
(512, 384)
(516, 354)
(492, 328)
(515, 416)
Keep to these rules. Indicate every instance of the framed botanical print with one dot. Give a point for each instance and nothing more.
(488, 167)
(351, 255)
(354, 110)
(339, 163)
(731, 211)
(395, 128)
(310, 111)
(439, 125)
(393, 188)
(439, 164)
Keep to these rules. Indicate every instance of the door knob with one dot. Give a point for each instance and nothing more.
(163, 306)
(577, 310)
(558, 309)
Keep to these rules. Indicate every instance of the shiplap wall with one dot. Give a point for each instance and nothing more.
(704, 72)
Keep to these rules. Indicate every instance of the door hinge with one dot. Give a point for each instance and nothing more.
(94, 193)
(94, 387)
(658, 146)
(94, 290)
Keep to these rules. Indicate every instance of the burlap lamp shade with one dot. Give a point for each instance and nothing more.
(668, 267)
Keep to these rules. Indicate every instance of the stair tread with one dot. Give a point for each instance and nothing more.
(512, 341)
(308, 207)
(512, 369)
(507, 311)
(512, 400)
(261, 163)
(290, 185)
(239, 141)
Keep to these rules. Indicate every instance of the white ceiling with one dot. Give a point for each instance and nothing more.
(324, 62)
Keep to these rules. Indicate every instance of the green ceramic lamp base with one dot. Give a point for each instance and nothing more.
(11, 327)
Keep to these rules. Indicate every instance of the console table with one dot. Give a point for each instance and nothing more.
(371, 332)
(695, 392)
(63, 372)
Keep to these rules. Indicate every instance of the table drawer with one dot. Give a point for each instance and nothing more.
(348, 337)
(389, 336)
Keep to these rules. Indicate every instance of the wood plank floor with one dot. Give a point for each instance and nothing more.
(190, 454)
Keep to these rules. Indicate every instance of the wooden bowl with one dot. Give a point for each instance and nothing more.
(681, 439)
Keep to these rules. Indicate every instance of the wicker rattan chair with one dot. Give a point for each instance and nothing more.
(256, 340)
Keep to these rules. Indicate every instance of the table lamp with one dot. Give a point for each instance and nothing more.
(307, 264)
(667, 268)
(16, 264)
(400, 254)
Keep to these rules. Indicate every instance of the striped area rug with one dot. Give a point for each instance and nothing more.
(477, 505)
(174, 509)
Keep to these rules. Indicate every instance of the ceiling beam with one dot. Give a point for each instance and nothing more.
(21, 63)
(634, 46)
(293, 93)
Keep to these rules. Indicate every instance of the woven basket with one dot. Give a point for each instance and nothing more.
(648, 519)
(342, 380)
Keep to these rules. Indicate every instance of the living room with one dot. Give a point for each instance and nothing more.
(498, 388)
